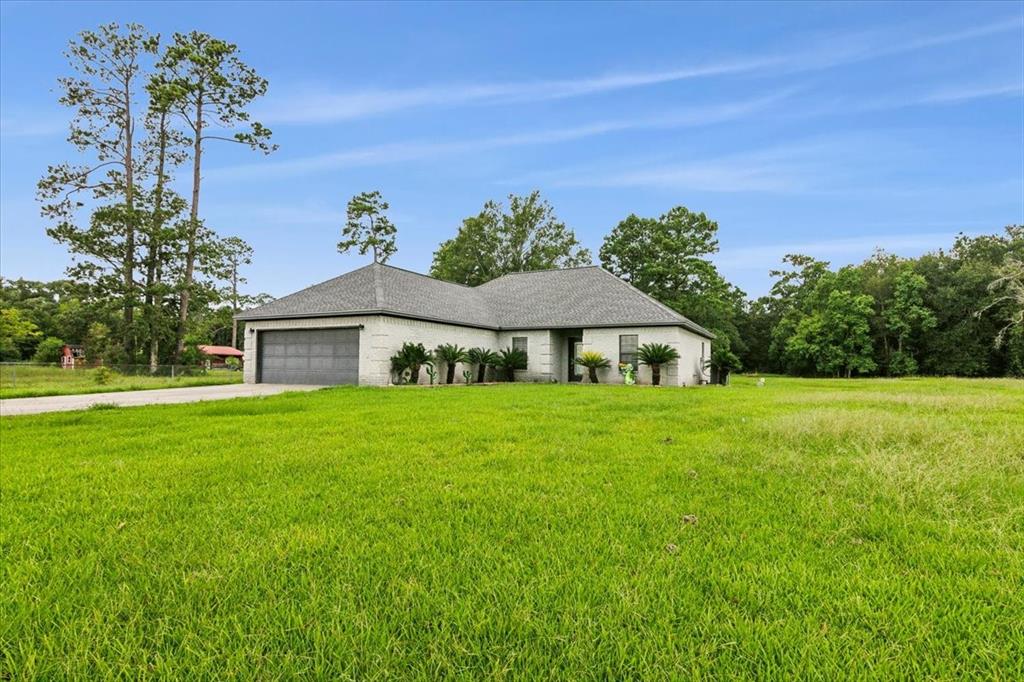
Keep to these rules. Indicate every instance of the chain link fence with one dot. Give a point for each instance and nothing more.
(27, 379)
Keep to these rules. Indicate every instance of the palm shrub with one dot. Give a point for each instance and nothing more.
(722, 361)
(451, 354)
(654, 355)
(509, 360)
(482, 358)
(411, 356)
(593, 361)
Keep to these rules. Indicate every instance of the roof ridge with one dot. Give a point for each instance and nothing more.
(534, 272)
(378, 286)
(653, 300)
(420, 274)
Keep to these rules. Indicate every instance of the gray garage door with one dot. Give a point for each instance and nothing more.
(309, 356)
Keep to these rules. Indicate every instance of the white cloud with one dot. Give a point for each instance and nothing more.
(415, 150)
(796, 167)
(322, 106)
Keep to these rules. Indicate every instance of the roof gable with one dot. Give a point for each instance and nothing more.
(573, 297)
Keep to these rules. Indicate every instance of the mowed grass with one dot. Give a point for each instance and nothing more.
(814, 529)
(28, 381)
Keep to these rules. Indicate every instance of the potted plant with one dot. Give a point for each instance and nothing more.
(482, 358)
(654, 355)
(722, 363)
(593, 361)
(451, 354)
(509, 360)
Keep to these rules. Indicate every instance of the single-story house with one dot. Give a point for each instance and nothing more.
(345, 330)
(216, 356)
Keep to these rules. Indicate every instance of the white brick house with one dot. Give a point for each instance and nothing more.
(346, 329)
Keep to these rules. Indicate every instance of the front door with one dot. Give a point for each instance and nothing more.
(575, 348)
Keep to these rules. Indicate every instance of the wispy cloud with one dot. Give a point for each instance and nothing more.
(322, 106)
(947, 95)
(796, 167)
(416, 150)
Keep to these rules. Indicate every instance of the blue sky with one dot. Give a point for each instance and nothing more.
(826, 129)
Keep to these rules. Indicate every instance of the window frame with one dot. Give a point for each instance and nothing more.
(624, 355)
(526, 346)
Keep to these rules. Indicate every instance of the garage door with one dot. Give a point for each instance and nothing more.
(319, 357)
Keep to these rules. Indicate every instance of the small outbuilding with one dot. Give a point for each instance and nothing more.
(217, 356)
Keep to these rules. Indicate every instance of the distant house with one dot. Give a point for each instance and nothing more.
(345, 330)
(216, 356)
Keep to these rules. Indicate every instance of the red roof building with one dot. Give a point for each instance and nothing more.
(219, 354)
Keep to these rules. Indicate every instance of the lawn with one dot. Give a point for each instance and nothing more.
(30, 381)
(816, 529)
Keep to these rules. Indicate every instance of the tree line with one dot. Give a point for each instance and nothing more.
(956, 311)
(142, 109)
(150, 278)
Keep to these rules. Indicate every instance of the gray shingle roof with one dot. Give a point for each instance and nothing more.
(574, 297)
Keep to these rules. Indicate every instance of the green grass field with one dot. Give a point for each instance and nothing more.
(28, 381)
(814, 529)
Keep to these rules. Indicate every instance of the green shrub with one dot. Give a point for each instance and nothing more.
(723, 361)
(509, 360)
(482, 358)
(654, 355)
(103, 375)
(451, 354)
(409, 358)
(593, 361)
(49, 351)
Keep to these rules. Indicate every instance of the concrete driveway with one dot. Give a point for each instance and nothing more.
(159, 396)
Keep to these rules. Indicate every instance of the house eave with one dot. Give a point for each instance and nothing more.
(696, 329)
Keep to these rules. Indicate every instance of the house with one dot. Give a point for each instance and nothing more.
(345, 330)
(217, 356)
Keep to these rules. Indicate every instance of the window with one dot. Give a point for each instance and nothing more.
(627, 349)
(519, 343)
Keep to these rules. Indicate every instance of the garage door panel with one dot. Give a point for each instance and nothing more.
(309, 356)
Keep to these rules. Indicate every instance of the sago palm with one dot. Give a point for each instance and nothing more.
(451, 354)
(411, 356)
(593, 361)
(509, 360)
(654, 355)
(482, 358)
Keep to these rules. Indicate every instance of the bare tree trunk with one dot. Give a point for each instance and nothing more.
(190, 253)
(655, 375)
(153, 266)
(234, 304)
(129, 239)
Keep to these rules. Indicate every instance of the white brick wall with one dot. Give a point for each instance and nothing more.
(382, 336)
(538, 353)
(386, 335)
(685, 372)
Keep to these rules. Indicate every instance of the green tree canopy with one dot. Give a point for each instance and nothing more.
(669, 258)
(528, 236)
(368, 227)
